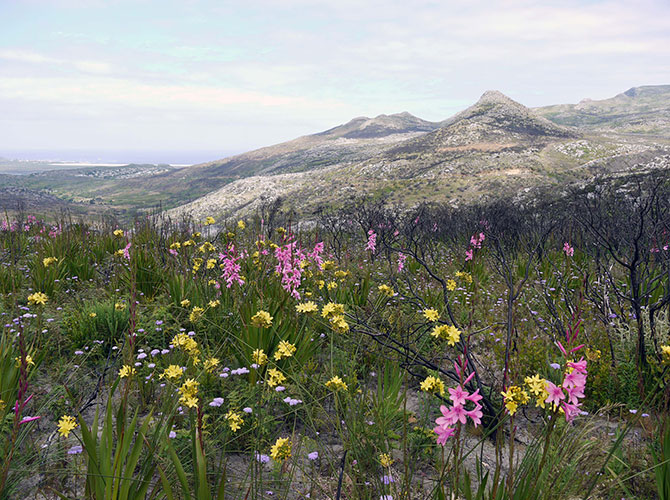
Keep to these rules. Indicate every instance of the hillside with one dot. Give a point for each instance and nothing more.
(639, 110)
(495, 147)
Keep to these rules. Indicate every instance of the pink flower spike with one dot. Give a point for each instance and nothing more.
(469, 378)
(575, 349)
(469, 254)
(458, 395)
(458, 369)
(560, 346)
(25, 420)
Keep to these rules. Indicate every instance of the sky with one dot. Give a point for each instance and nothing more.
(199, 80)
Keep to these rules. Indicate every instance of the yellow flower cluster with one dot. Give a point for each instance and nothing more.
(337, 384)
(262, 319)
(451, 285)
(49, 260)
(172, 372)
(196, 314)
(431, 314)
(281, 450)
(259, 357)
(126, 371)
(186, 344)
(241, 225)
(119, 306)
(118, 233)
(284, 350)
(211, 364)
(210, 263)
(385, 459)
(538, 388)
(332, 309)
(209, 220)
(306, 307)
(447, 332)
(467, 277)
(235, 420)
(185, 303)
(37, 298)
(327, 265)
(275, 377)
(66, 424)
(385, 290)
(175, 246)
(514, 397)
(214, 303)
(197, 263)
(432, 385)
(665, 351)
(29, 360)
(189, 393)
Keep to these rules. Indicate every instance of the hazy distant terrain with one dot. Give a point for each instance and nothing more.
(496, 146)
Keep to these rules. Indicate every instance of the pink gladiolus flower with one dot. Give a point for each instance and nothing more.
(571, 411)
(372, 241)
(579, 366)
(475, 397)
(458, 395)
(556, 394)
(476, 415)
(443, 433)
(575, 393)
(569, 251)
(574, 379)
(457, 413)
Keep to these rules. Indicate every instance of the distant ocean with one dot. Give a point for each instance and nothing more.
(117, 157)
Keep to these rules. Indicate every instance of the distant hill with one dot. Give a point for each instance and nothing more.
(495, 147)
(639, 110)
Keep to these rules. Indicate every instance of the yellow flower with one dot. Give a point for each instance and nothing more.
(49, 260)
(209, 220)
(126, 371)
(447, 332)
(284, 350)
(235, 420)
(185, 303)
(259, 357)
(196, 314)
(211, 263)
(241, 225)
(37, 298)
(432, 385)
(386, 290)
(29, 360)
(339, 324)
(320, 284)
(665, 350)
(339, 274)
(186, 343)
(172, 372)
(275, 377)
(464, 276)
(189, 392)
(212, 282)
(196, 235)
(514, 397)
(332, 285)
(211, 364)
(307, 307)
(332, 309)
(175, 246)
(188, 243)
(431, 314)
(281, 230)
(119, 306)
(281, 450)
(337, 384)
(326, 265)
(92, 315)
(118, 233)
(262, 319)
(451, 285)
(214, 303)
(66, 424)
(385, 459)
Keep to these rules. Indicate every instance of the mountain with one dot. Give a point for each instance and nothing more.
(639, 110)
(495, 147)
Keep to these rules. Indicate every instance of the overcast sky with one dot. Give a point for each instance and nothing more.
(217, 76)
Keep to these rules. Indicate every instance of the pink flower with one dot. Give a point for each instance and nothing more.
(457, 413)
(571, 411)
(574, 379)
(579, 366)
(126, 251)
(476, 415)
(443, 433)
(475, 397)
(401, 261)
(372, 241)
(458, 395)
(556, 394)
(569, 251)
(574, 393)
(469, 254)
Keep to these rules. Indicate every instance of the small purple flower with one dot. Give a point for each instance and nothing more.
(75, 450)
(172, 435)
(216, 402)
(313, 456)
(261, 458)
(247, 410)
